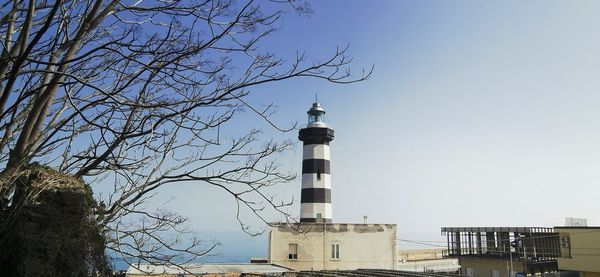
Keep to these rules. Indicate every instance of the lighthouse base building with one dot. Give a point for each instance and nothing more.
(324, 246)
(317, 242)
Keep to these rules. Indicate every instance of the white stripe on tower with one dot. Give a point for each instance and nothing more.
(316, 151)
(310, 180)
(309, 210)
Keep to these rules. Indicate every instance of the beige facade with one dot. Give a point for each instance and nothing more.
(318, 246)
(580, 250)
(482, 267)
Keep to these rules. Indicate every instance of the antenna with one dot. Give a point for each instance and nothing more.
(316, 97)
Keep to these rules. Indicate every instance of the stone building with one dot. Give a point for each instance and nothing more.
(323, 246)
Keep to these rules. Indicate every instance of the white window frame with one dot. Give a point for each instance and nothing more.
(290, 257)
(335, 250)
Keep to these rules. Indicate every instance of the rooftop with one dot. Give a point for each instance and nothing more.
(369, 272)
(192, 268)
(498, 229)
(577, 227)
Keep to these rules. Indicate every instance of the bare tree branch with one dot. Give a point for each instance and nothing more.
(133, 96)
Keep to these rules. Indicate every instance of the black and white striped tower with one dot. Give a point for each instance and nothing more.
(316, 179)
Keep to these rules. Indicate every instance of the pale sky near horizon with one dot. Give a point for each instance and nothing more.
(478, 113)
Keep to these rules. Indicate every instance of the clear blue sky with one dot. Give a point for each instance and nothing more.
(478, 113)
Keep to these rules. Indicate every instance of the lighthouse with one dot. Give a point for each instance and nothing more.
(316, 243)
(316, 174)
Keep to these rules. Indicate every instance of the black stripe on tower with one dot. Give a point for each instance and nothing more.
(315, 135)
(319, 166)
(309, 219)
(315, 141)
(315, 195)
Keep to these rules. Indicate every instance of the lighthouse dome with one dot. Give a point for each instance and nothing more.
(316, 116)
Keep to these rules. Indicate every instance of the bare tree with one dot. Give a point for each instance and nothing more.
(132, 94)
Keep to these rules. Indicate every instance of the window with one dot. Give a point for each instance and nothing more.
(293, 251)
(318, 174)
(495, 273)
(335, 251)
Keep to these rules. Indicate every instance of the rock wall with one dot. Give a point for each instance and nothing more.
(50, 230)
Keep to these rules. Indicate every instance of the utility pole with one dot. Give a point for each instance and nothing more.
(515, 242)
(511, 264)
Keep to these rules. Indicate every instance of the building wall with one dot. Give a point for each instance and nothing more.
(439, 265)
(421, 254)
(361, 246)
(482, 267)
(582, 252)
(426, 260)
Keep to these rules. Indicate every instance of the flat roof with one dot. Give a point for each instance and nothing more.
(374, 272)
(276, 224)
(197, 268)
(496, 229)
(577, 227)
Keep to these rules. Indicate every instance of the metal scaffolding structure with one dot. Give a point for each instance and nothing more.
(537, 248)
(522, 243)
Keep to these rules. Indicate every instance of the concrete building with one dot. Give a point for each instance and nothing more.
(316, 243)
(579, 250)
(333, 246)
(498, 251)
